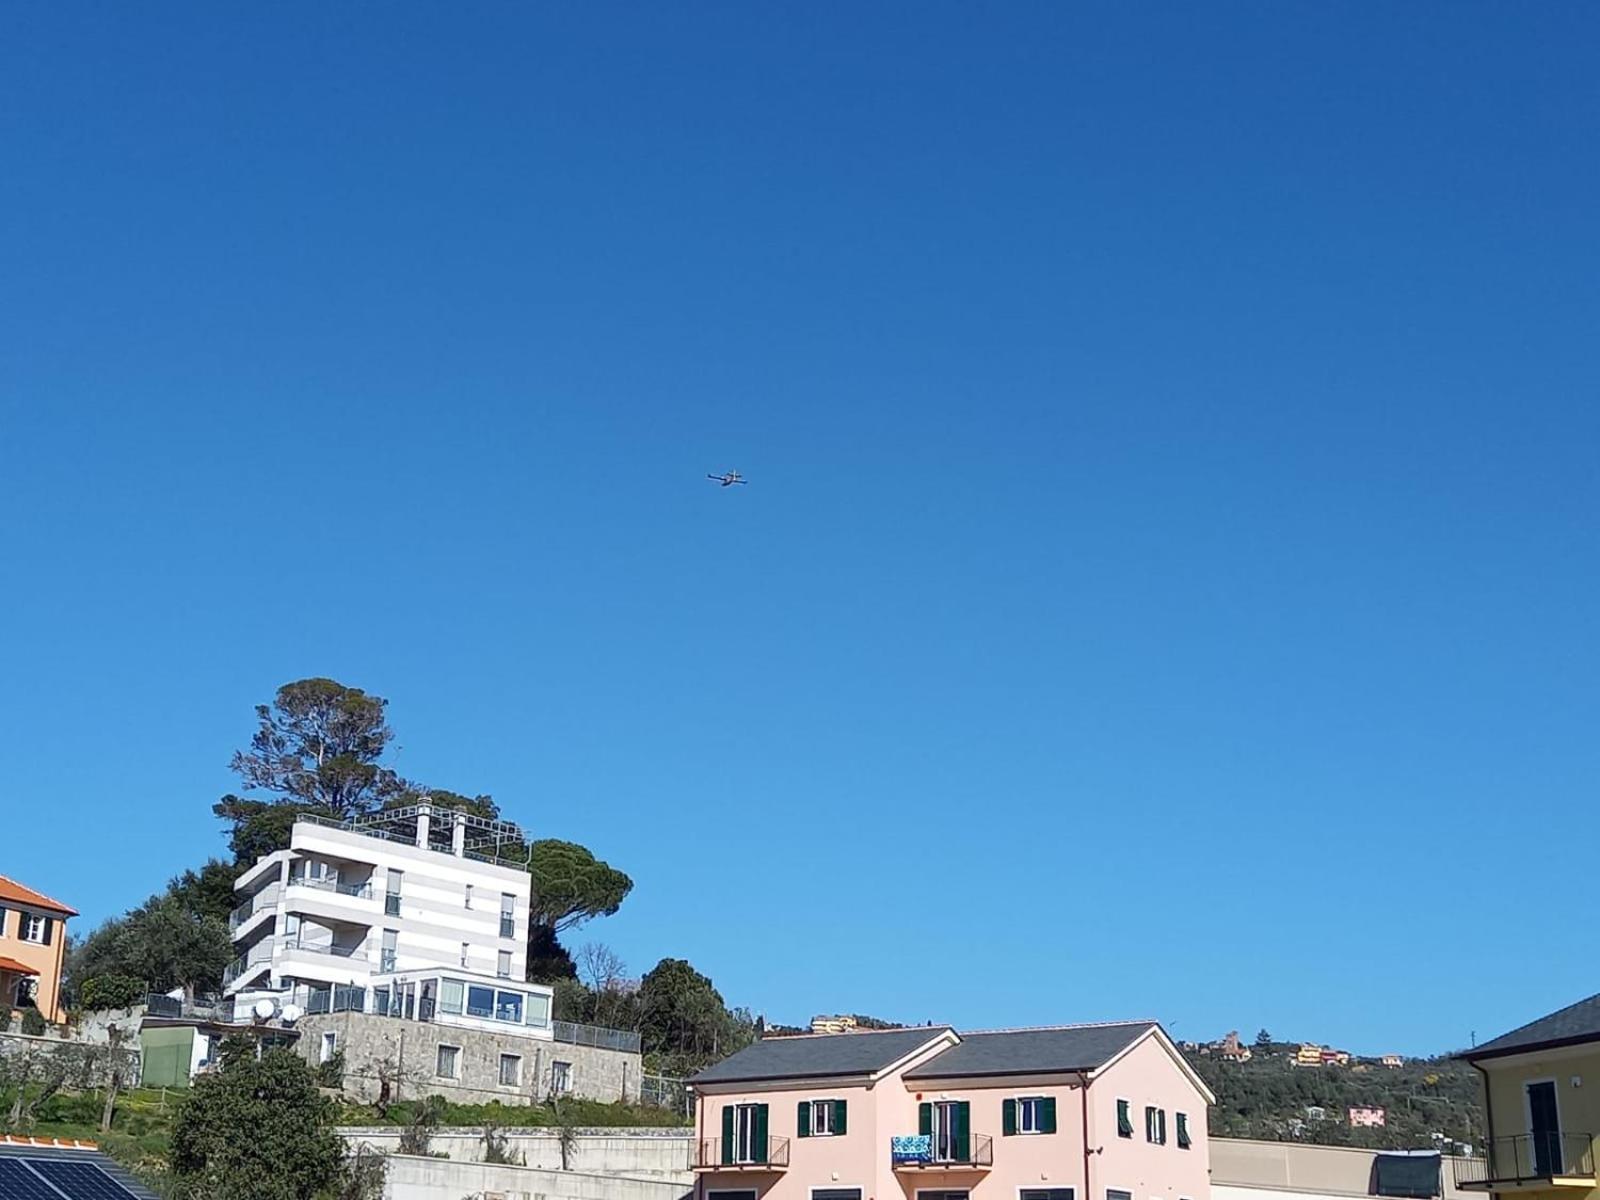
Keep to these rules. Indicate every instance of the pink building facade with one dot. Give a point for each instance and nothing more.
(1095, 1112)
(1368, 1118)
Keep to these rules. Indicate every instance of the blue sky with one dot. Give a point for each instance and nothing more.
(1167, 580)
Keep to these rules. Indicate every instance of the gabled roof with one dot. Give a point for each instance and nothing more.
(1066, 1049)
(12, 892)
(1569, 1026)
(822, 1055)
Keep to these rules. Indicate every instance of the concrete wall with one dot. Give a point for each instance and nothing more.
(638, 1153)
(412, 1178)
(1243, 1169)
(597, 1074)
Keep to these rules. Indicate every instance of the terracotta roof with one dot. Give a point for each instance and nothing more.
(11, 964)
(7, 1139)
(13, 892)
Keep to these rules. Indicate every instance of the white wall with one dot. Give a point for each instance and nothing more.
(412, 1178)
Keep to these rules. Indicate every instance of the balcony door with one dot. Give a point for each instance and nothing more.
(1544, 1128)
(950, 1137)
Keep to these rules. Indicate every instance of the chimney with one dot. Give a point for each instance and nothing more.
(424, 817)
(458, 836)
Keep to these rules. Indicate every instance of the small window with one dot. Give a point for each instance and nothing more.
(330, 1042)
(449, 1064)
(1114, 1194)
(822, 1118)
(1030, 1114)
(741, 1194)
(511, 1070)
(1124, 1125)
(465, 951)
(508, 914)
(391, 897)
(1044, 1194)
(32, 928)
(469, 895)
(1183, 1136)
(1155, 1125)
(835, 1194)
(503, 966)
(561, 1077)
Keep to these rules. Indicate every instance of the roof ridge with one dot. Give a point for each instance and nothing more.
(49, 901)
(1057, 1028)
(795, 1037)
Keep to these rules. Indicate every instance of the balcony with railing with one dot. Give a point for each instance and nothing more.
(929, 1152)
(293, 945)
(253, 960)
(747, 1154)
(1526, 1161)
(360, 891)
(262, 901)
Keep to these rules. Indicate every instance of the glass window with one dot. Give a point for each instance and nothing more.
(508, 1006)
(538, 1009)
(469, 895)
(32, 927)
(1124, 1122)
(380, 1001)
(508, 914)
(449, 1064)
(1030, 1110)
(450, 993)
(561, 1078)
(1045, 1194)
(480, 1002)
(822, 1118)
(330, 1040)
(503, 964)
(391, 899)
(465, 950)
(511, 1070)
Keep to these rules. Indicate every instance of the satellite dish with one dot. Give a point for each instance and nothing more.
(263, 1009)
(290, 1014)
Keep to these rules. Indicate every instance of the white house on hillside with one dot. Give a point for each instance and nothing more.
(400, 913)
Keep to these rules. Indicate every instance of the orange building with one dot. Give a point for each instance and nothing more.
(32, 945)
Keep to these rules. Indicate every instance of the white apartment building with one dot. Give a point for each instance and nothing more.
(399, 913)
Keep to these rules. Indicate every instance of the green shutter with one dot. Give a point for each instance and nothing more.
(963, 1132)
(925, 1120)
(49, 928)
(760, 1155)
(839, 1125)
(1124, 1120)
(727, 1137)
(802, 1119)
(1008, 1118)
(1183, 1131)
(1047, 1115)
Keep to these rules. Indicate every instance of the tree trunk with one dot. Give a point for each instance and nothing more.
(111, 1101)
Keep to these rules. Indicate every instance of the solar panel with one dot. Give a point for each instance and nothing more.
(79, 1180)
(19, 1183)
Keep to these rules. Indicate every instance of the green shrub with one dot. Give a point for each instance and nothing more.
(5, 1017)
(33, 1022)
(111, 991)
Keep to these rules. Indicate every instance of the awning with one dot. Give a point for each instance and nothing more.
(16, 968)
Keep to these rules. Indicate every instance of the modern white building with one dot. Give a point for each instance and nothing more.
(400, 913)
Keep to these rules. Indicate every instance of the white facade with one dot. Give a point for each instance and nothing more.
(394, 915)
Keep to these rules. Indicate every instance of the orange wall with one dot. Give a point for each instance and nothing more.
(46, 960)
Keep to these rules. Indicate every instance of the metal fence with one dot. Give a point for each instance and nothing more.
(658, 1091)
(626, 1040)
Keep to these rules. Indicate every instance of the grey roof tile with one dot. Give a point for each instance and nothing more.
(1578, 1022)
(1032, 1051)
(813, 1055)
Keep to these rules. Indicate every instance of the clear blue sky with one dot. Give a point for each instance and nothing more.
(1167, 582)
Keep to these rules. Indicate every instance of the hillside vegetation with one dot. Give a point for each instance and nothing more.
(1268, 1098)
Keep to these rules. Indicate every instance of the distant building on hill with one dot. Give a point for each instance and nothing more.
(1393, 1061)
(1308, 1055)
(1335, 1058)
(1366, 1117)
(839, 1024)
(1232, 1049)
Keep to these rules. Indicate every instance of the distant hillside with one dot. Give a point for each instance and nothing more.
(1267, 1097)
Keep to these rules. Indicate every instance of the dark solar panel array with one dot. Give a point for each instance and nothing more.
(19, 1183)
(25, 1179)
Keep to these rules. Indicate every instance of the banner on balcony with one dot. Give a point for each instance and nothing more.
(917, 1148)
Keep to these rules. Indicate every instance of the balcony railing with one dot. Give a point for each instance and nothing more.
(339, 999)
(923, 1152)
(266, 898)
(293, 945)
(1529, 1158)
(259, 953)
(361, 891)
(716, 1154)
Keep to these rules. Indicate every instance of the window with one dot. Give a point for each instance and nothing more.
(466, 949)
(508, 1007)
(330, 1042)
(35, 928)
(391, 941)
(469, 895)
(380, 1001)
(511, 1070)
(1183, 1134)
(560, 1078)
(538, 1010)
(508, 915)
(1114, 1194)
(1044, 1194)
(503, 964)
(449, 1064)
(480, 1001)
(821, 1118)
(25, 991)
(747, 1194)
(451, 992)
(1155, 1125)
(391, 898)
(835, 1194)
(1124, 1125)
(941, 1195)
(2, 921)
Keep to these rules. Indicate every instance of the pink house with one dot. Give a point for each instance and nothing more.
(1086, 1112)
(1370, 1118)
